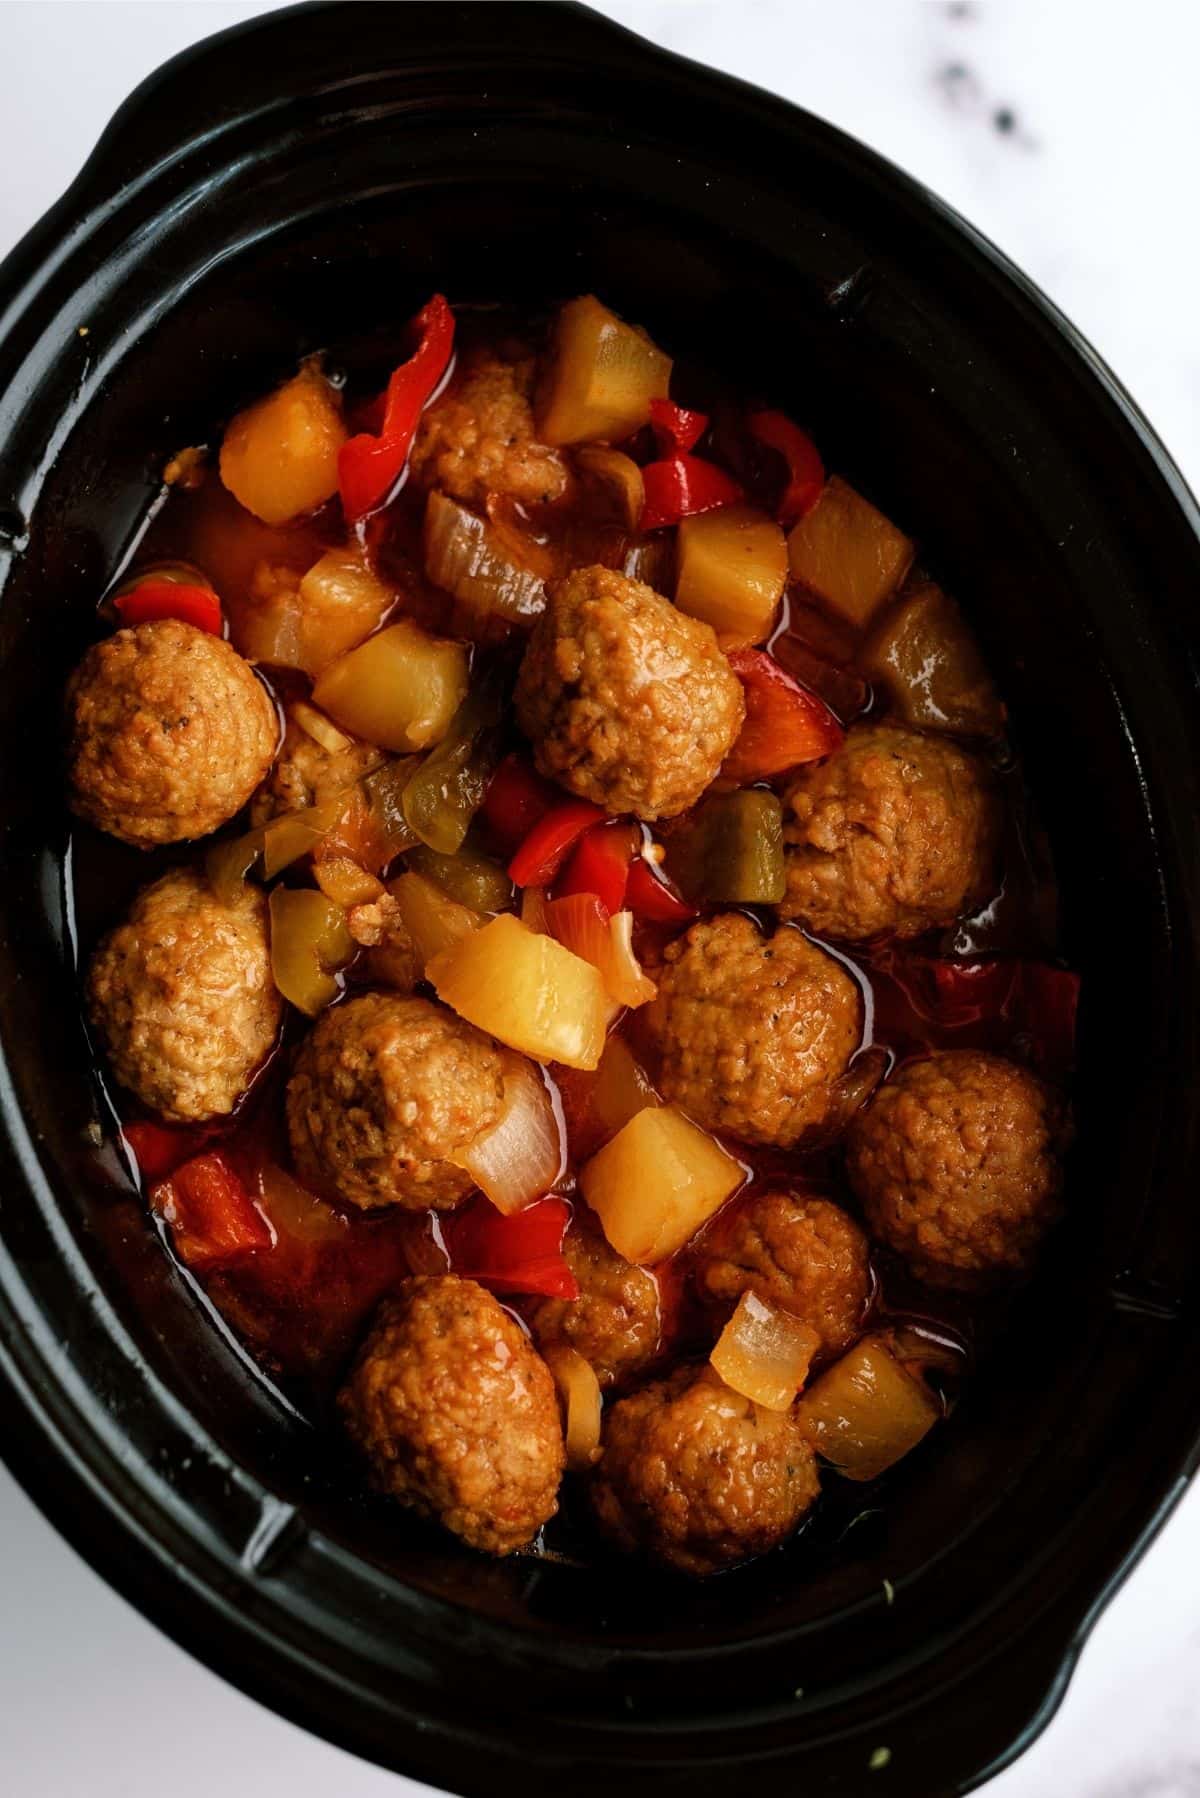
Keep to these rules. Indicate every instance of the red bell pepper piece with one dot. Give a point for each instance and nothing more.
(785, 723)
(157, 1149)
(681, 487)
(676, 430)
(550, 841)
(1037, 1000)
(600, 865)
(370, 464)
(516, 799)
(155, 598)
(806, 471)
(213, 1218)
(651, 897)
(519, 1253)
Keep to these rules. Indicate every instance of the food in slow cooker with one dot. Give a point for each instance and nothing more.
(594, 1020)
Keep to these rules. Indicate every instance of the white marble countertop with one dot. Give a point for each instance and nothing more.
(1069, 134)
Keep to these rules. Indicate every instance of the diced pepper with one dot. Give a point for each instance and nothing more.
(516, 798)
(519, 1253)
(433, 920)
(527, 990)
(551, 840)
(785, 724)
(1034, 998)
(649, 896)
(806, 472)
(293, 834)
(600, 864)
(370, 464)
(676, 430)
(656, 1183)
(228, 862)
(682, 486)
(153, 599)
(602, 376)
(310, 944)
(729, 850)
(212, 1218)
(157, 1149)
(848, 554)
(345, 881)
(733, 567)
(449, 786)
(467, 876)
(399, 690)
(385, 790)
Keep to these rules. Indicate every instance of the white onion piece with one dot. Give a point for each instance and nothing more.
(582, 1405)
(523, 1155)
(765, 1353)
(465, 557)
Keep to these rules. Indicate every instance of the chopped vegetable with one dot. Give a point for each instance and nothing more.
(533, 909)
(340, 601)
(321, 729)
(582, 1405)
(650, 896)
(551, 840)
(163, 598)
(400, 689)
(600, 864)
(345, 882)
(293, 834)
(370, 465)
(279, 457)
(847, 554)
(865, 1413)
(517, 797)
(806, 473)
(732, 569)
(923, 656)
(385, 790)
(466, 557)
(157, 1149)
(467, 876)
(682, 486)
(227, 864)
(310, 944)
(618, 479)
(433, 920)
(212, 1218)
(784, 726)
(449, 787)
(1034, 997)
(844, 692)
(656, 1183)
(582, 924)
(676, 430)
(601, 378)
(652, 562)
(729, 850)
(523, 1154)
(765, 1353)
(621, 1087)
(526, 990)
(521, 1253)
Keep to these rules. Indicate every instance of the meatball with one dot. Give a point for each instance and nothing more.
(753, 1032)
(797, 1251)
(181, 997)
(627, 701)
(615, 1321)
(896, 832)
(169, 733)
(478, 438)
(384, 1089)
(957, 1162)
(457, 1414)
(700, 1477)
(307, 774)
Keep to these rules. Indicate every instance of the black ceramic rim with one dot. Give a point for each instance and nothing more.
(191, 1587)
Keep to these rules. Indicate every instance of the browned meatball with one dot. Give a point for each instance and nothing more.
(957, 1162)
(615, 1321)
(169, 733)
(700, 1477)
(182, 999)
(753, 1031)
(896, 832)
(307, 774)
(627, 701)
(796, 1250)
(457, 1414)
(478, 438)
(384, 1089)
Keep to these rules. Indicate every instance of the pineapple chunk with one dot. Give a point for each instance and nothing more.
(733, 567)
(433, 920)
(602, 376)
(867, 1412)
(279, 457)
(526, 990)
(398, 690)
(849, 555)
(656, 1182)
